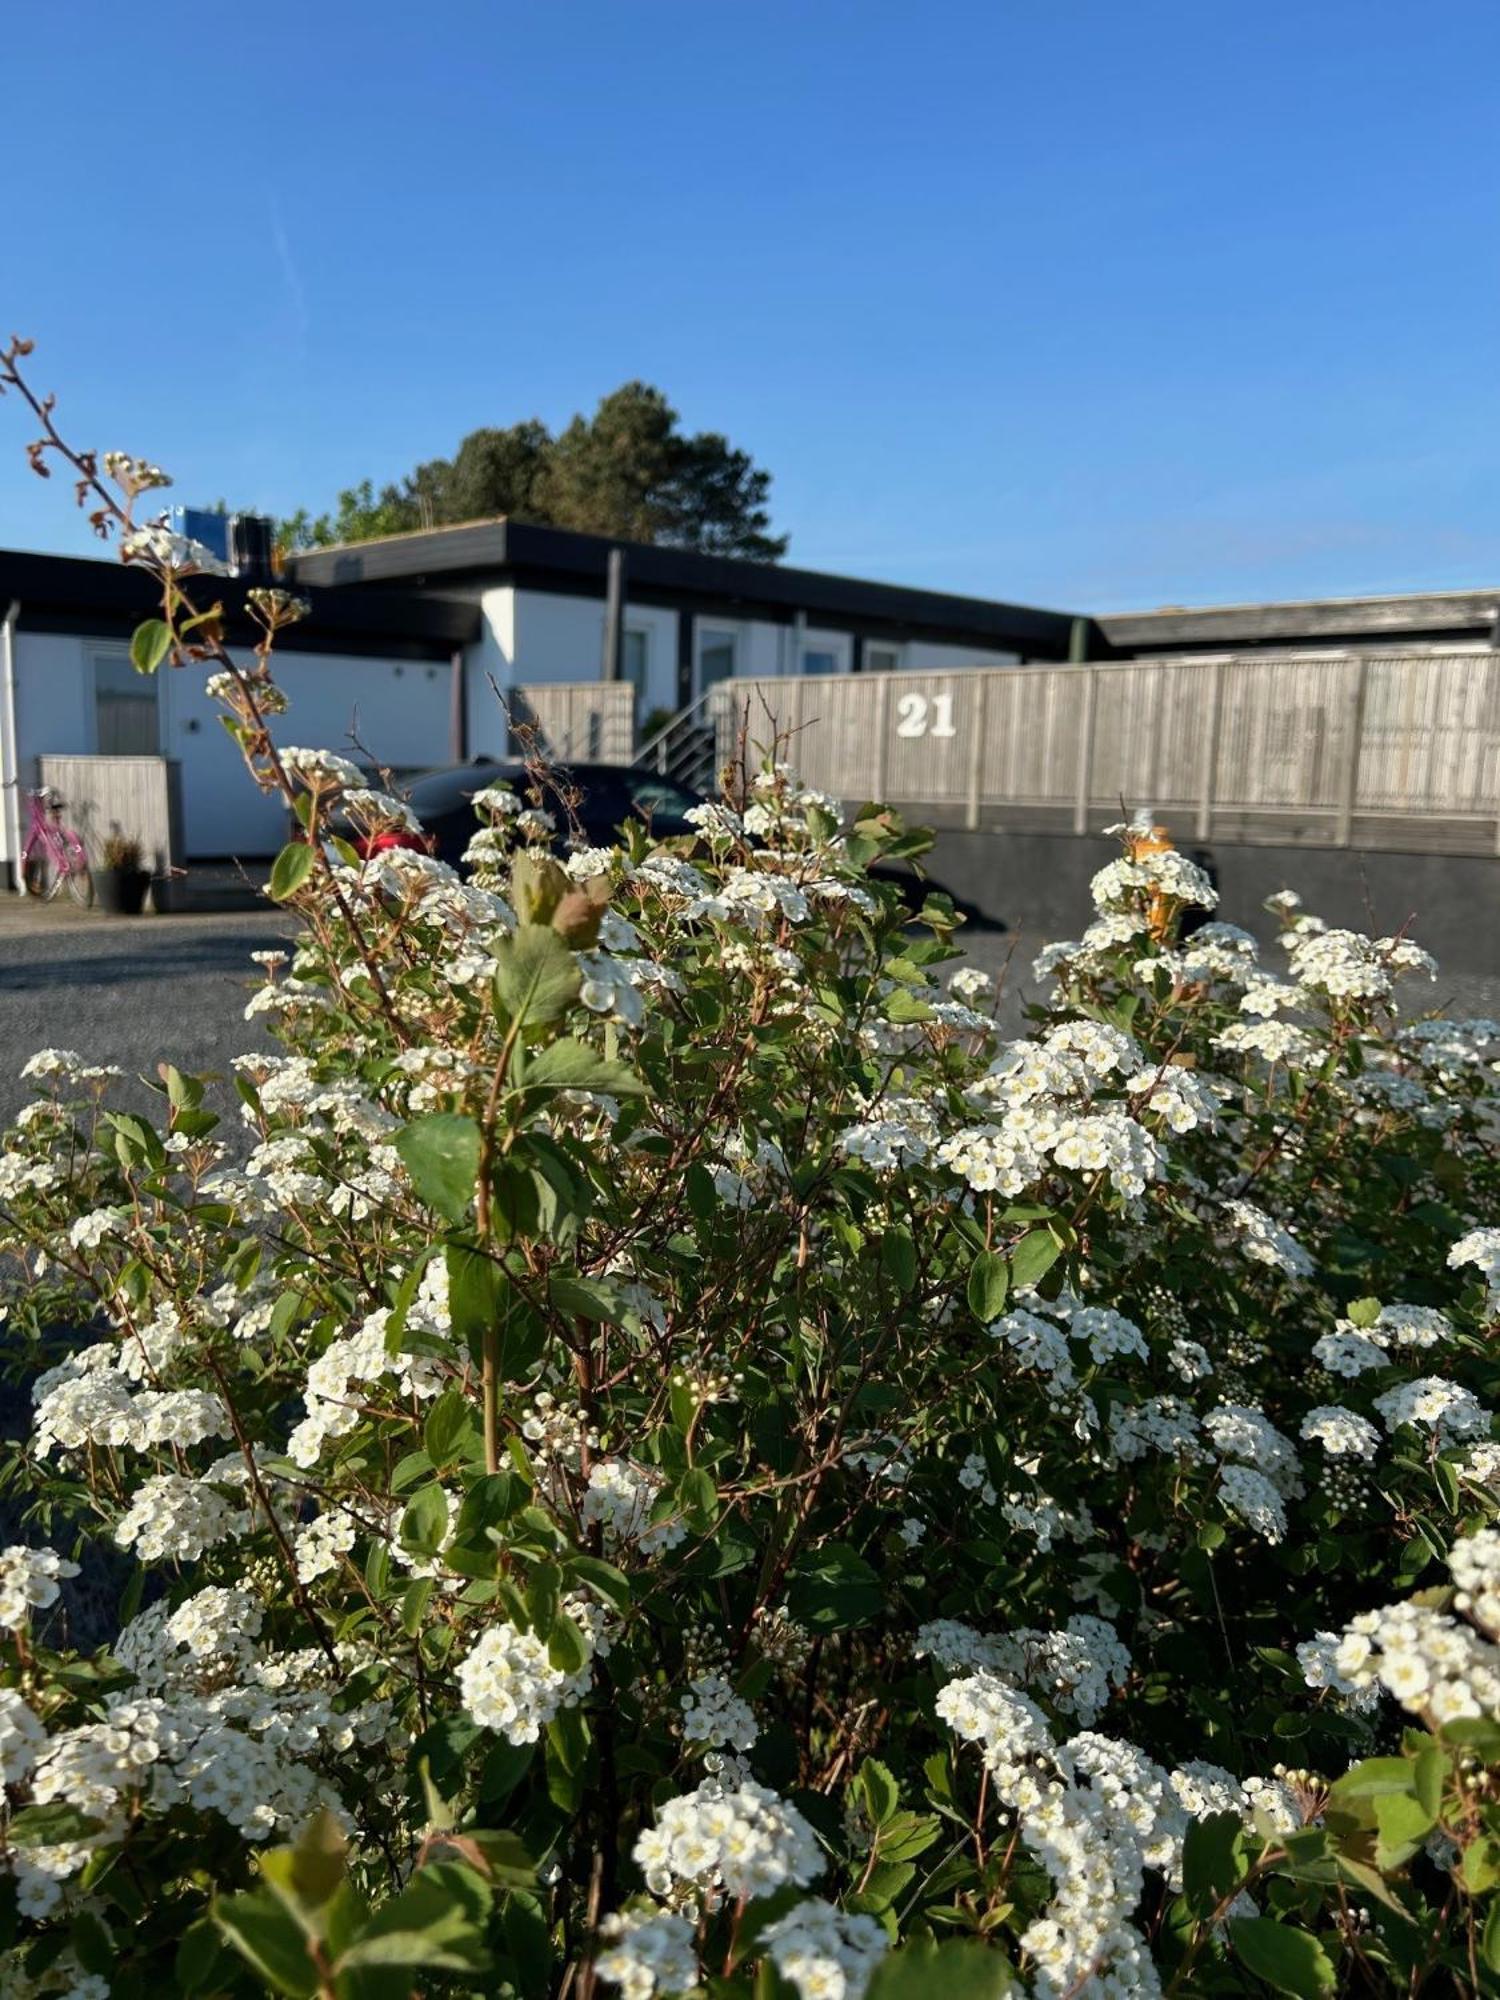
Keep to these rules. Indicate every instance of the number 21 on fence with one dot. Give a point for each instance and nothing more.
(924, 715)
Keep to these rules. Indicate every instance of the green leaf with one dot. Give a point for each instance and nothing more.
(441, 1153)
(447, 1422)
(307, 1875)
(1489, 1943)
(200, 1965)
(989, 1281)
(49, 1826)
(959, 1969)
(602, 1578)
(536, 976)
(414, 1601)
(437, 1923)
(481, 1301)
(567, 1649)
(1404, 1823)
(1430, 1774)
(584, 1298)
(898, 1258)
(1213, 1860)
(425, 1521)
(291, 869)
(879, 1789)
(903, 1006)
(1033, 1257)
(538, 884)
(572, 1065)
(263, 1930)
(150, 643)
(699, 1497)
(1373, 1776)
(1290, 1961)
(834, 1588)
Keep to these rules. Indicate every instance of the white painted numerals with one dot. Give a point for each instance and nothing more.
(919, 715)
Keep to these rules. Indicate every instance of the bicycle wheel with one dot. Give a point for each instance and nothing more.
(39, 875)
(80, 883)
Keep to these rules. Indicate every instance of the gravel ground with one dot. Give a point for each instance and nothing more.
(132, 991)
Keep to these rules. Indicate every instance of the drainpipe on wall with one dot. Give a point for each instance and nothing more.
(458, 709)
(612, 666)
(10, 762)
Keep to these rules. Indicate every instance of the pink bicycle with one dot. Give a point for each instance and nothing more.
(53, 854)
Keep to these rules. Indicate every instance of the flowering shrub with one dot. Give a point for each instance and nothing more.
(655, 1452)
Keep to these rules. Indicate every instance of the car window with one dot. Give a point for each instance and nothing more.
(652, 794)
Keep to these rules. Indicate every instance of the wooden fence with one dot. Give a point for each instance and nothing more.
(585, 722)
(140, 797)
(1372, 749)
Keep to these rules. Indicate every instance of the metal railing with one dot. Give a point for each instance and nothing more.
(1372, 749)
(687, 749)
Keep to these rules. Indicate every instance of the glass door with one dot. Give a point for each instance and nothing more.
(718, 649)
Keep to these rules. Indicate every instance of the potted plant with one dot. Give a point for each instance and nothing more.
(121, 879)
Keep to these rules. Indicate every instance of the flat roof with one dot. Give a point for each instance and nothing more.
(474, 553)
(106, 597)
(1415, 614)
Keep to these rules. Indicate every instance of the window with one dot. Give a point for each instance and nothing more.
(819, 660)
(717, 651)
(125, 712)
(636, 663)
(882, 659)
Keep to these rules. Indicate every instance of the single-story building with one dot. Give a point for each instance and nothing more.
(411, 636)
(689, 620)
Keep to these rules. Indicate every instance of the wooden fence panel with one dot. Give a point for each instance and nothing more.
(584, 722)
(139, 797)
(1380, 748)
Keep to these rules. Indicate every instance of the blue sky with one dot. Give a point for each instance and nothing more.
(1095, 303)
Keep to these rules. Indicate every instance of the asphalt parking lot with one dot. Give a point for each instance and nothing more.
(138, 991)
(132, 991)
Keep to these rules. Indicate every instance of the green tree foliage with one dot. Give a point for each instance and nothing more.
(629, 470)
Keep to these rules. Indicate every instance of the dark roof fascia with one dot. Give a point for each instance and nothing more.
(76, 594)
(1439, 616)
(557, 560)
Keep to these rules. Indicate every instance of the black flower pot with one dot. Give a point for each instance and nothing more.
(122, 891)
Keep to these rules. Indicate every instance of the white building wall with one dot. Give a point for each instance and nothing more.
(491, 659)
(398, 709)
(542, 636)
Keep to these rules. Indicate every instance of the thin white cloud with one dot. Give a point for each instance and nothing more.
(282, 245)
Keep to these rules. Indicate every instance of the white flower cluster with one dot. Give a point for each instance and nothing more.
(1481, 1247)
(30, 1580)
(716, 1717)
(508, 1684)
(715, 1843)
(622, 1495)
(1446, 1408)
(1077, 1669)
(1436, 1666)
(1265, 1241)
(88, 1400)
(648, 1952)
(823, 1952)
(1345, 965)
